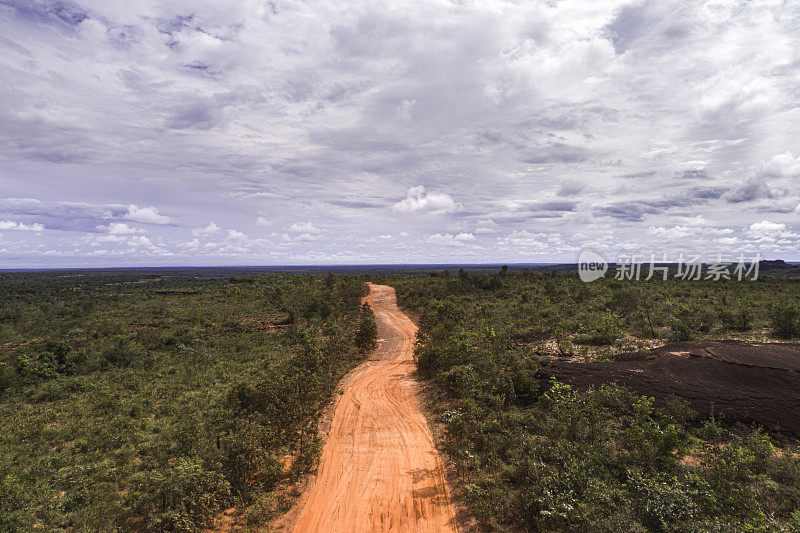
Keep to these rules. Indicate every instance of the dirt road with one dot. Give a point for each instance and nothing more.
(379, 470)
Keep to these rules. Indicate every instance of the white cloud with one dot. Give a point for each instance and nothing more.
(141, 241)
(718, 231)
(697, 220)
(766, 229)
(192, 245)
(263, 222)
(303, 237)
(448, 239)
(146, 215)
(237, 236)
(304, 227)
(675, 232)
(110, 238)
(211, 229)
(486, 227)
(527, 240)
(770, 234)
(785, 164)
(121, 228)
(19, 226)
(418, 201)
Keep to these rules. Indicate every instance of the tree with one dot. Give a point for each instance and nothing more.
(367, 334)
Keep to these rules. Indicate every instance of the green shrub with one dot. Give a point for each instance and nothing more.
(459, 380)
(367, 333)
(665, 503)
(739, 320)
(184, 497)
(687, 321)
(605, 329)
(786, 322)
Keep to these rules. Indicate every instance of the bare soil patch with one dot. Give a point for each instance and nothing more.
(738, 382)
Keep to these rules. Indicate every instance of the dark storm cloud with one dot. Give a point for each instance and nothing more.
(707, 193)
(750, 191)
(47, 140)
(551, 206)
(59, 216)
(637, 210)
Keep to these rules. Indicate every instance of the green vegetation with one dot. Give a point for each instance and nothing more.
(154, 401)
(367, 333)
(544, 457)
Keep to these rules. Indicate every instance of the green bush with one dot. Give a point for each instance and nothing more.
(367, 333)
(184, 497)
(739, 320)
(459, 380)
(605, 329)
(786, 322)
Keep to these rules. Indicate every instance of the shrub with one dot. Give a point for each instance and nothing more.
(786, 322)
(459, 380)
(739, 320)
(688, 321)
(666, 502)
(184, 497)
(367, 333)
(605, 329)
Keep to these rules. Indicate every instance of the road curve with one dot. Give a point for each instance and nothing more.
(379, 469)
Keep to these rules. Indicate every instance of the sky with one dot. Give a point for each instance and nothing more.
(210, 132)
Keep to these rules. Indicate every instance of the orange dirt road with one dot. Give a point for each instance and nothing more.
(379, 469)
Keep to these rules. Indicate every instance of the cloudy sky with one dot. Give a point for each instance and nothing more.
(211, 132)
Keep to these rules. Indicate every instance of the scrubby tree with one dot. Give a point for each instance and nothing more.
(367, 333)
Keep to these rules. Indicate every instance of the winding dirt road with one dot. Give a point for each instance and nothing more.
(379, 469)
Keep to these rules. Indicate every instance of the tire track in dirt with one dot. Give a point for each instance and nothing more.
(379, 469)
